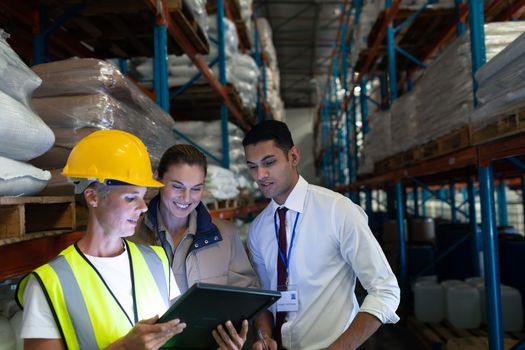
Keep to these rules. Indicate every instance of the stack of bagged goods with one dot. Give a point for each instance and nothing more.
(246, 16)
(403, 123)
(444, 93)
(244, 77)
(241, 69)
(369, 15)
(221, 184)
(208, 135)
(376, 144)
(23, 135)
(501, 84)
(271, 70)
(80, 96)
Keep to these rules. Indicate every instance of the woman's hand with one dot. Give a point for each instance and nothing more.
(230, 340)
(148, 335)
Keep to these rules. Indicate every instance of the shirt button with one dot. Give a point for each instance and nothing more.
(216, 237)
(205, 241)
(196, 245)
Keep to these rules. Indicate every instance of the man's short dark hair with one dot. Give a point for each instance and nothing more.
(270, 130)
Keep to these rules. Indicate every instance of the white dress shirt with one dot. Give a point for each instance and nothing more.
(333, 245)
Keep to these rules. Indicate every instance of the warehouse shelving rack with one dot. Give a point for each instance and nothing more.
(501, 158)
(22, 256)
(165, 22)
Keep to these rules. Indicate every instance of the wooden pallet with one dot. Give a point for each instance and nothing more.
(183, 16)
(223, 204)
(398, 161)
(443, 336)
(507, 124)
(23, 216)
(451, 142)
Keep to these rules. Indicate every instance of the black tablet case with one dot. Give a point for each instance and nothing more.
(204, 306)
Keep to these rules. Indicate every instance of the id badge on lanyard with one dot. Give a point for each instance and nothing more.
(289, 301)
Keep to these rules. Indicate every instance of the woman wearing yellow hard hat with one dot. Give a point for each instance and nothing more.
(103, 292)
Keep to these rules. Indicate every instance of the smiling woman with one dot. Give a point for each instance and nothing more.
(199, 248)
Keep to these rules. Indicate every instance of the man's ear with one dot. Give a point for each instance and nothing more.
(294, 155)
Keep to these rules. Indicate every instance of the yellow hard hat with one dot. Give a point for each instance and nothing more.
(111, 155)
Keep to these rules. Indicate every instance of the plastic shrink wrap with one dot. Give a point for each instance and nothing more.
(79, 96)
(501, 83)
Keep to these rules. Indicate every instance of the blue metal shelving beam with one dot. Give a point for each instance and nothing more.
(415, 194)
(123, 66)
(476, 244)
(410, 57)
(492, 282)
(477, 39)
(424, 202)
(223, 81)
(40, 38)
(412, 17)
(363, 102)
(368, 201)
(502, 203)
(438, 195)
(452, 199)
(160, 65)
(400, 216)
(518, 163)
(460, 26)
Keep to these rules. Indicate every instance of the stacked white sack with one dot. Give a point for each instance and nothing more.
(273, 77)
(376, 144)
(21, 179)
(501, 83)
(221, 183)
(23, 135)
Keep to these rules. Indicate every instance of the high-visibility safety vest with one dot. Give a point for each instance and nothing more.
(86, 312)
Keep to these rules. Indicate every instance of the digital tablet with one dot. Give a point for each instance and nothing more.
(204, 306)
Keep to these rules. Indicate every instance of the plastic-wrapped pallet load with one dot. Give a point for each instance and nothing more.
(404, 123)
(89, 93)
(444, 93)
(273, 85)
(377, 141)
(501, 84)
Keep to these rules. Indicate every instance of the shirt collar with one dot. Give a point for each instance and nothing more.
(296, 198)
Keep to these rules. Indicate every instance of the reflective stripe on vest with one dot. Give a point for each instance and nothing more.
(88, 315)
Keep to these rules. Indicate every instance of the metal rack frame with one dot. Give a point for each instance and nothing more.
(478, 157)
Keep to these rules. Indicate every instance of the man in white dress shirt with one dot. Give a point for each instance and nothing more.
(312, 252)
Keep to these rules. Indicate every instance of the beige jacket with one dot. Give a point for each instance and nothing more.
(211, 250)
